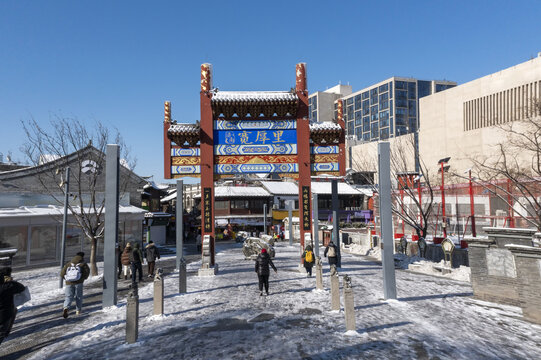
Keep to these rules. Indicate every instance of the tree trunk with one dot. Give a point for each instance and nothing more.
(93, 250)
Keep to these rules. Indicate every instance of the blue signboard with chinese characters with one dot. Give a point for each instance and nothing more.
(254, 124)
(255, 137)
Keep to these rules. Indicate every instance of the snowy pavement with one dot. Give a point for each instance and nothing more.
(223, 317)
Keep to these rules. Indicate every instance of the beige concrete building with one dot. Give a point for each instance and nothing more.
(464, 122)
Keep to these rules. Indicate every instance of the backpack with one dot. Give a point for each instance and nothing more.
(309, 257)
(73, 272)
(331, 252)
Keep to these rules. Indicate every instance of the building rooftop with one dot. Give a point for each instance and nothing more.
(281, 187)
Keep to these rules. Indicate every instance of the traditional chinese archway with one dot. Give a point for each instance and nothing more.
(253, 132)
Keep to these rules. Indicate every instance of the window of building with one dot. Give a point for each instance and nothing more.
(391, 107)
(391, 125)
(221, 204)
(358, 120)
(366, 107)
(441, 87)
(351, 114)
(384, 118)
(401, 103)
(401, 130)
(374, 109)
(350, 128)
(314, 115)
(412, 105)
(391, 90)
(373, 93)
(401, 120)
(384, 134)
(366, 136)
(365, 95)
(374, 117)
(402, 85)
(374, 131)
(383, 105)
(15, 237)
(43, 244)
(358, 102)
(383, 88)
(412, 124)
(349, 101)
(366, 123)
(424, 88)
(412, 90)
(240, 204)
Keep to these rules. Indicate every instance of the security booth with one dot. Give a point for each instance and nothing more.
(155, 227)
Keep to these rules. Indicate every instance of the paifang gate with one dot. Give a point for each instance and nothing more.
(253, 132)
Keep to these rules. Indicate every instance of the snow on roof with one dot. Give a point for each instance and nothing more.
(238, 191)
(152, 184)
(169, 197)
(45, 158)
(281, 187)
(226, 96)
(52, 210)
(324, 188)
(325, 125)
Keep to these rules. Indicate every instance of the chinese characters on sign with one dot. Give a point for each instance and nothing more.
(306, 208)
(255, 137)
(207, 212)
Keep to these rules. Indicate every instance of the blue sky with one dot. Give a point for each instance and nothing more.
(118, 61)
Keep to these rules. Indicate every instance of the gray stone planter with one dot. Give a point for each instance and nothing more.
(528, 266)
(493, 272)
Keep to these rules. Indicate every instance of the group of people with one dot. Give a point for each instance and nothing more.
(131, 259)
(263, 262)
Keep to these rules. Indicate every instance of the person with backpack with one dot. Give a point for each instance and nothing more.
(331, 254)
(309, 259)
(262, 269)
(136, 261)
(75, 272)
(125, 261)
(152, 254)
(8, 311)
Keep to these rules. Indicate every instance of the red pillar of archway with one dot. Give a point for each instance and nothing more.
(342, 143)
(166, 141)
(303, 151)
(207, 159)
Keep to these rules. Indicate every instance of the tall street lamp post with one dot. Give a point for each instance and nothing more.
(443, 169)
(472, 206)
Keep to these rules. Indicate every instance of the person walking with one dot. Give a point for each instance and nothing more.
(331, 253)
(118, 253)
(75, 272)
(125, 261)
(309, 259)
(262, 269)
(8, 311)
(136, 261)
(152, 254)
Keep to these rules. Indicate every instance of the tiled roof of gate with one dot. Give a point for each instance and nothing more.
(325, 125)
(178, 129)
(227, 97)
(238, 191)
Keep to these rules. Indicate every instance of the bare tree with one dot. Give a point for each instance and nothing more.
(406, 204)
(513, 173)
(70, 143)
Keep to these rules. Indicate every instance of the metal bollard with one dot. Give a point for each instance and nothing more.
(182, 283)
(158, 293)
(349, 305)
(335, 289)
(132, 315)
(319, 273)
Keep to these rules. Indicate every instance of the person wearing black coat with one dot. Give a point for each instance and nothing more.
(331, 249)
(262, 269)
(8, 311)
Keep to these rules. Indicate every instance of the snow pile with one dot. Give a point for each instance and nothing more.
(420, 265)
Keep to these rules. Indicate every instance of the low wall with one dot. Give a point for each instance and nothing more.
(528, 266)
(493, 272)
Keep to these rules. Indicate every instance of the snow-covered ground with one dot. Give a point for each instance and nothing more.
(223, 317)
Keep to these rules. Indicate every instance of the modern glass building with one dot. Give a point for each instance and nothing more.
(320, 103)
(387, 109)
